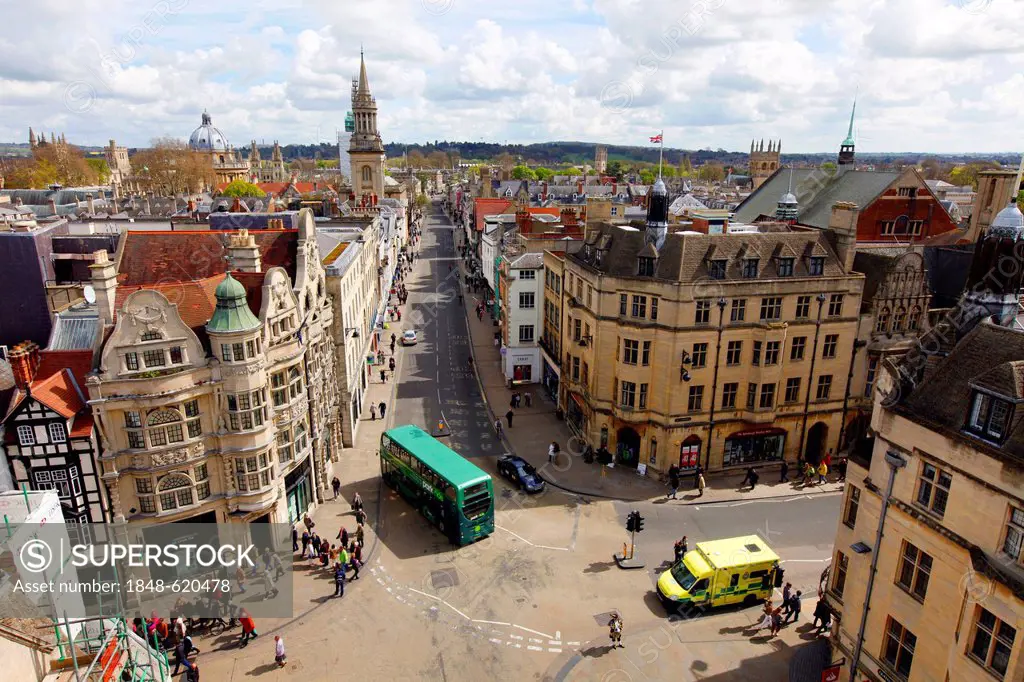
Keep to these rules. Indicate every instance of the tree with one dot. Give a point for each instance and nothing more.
(421, 200)
(437, 160)
(544, 173)
(711, 172)
(171, 167)
(967, 174)
(829, 167)
(102, 170)
(646, 177)
(416, 159)
(615, 169)
(241, 188)
(685, 167)
(523, 173)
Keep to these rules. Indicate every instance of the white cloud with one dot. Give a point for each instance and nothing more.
(941, 75)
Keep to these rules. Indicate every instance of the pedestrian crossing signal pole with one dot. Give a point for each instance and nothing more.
(629, 559)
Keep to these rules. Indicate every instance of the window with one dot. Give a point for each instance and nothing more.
(300, 438)
(131, 361)
(898, 647)
(645, 358)
(906, 191)
(575, 369)
(767, 396)
(251, 348)
(57, 479)
(176, 355)
(133, 426)
(630, 350)
(828, 348)
(729, 392)
(817, 266)
(628, 397)
(654, 308)
(914, 321)
(57, 433)
(771, 308)
(733, 353)
(164, 426)
(992, 642)
(703, 315)
(175, 490)
(933, 488)
(639, 306)
(246, 410)
(284, 446)
(527, 274)
(154, 358)
(646, 267)
(751, 395)
(738, 312)
(824, 387)
(699, 357)
(526, 300)
(1014, 534)
(26, 436)
(915, 569)
(899, 320)
(869, 383)
(771, 353)
(835, 305)
(695, 402)
(526, 333)
(150, 336)
(253, 473)
(755, 358)
(144, 489)
(623, 302)
(989, 417)
(750, 268)
(643, 396)
(225, 352)
(286, 385)
(716, 269)
(590, 296)
(586, 374)
(842, 565)
(577, 329)
(792, 390)
(238, 349)
(796, 350)
(803, 307)
(785, 267)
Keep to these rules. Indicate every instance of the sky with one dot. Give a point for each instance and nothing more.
(929, 75)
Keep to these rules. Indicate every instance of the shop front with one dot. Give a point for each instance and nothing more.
(520, 366)
(689, 453)
(299, 490)
(550, 379)
(754, 446)
(575, 415)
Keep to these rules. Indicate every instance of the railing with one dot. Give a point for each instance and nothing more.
(118, 653)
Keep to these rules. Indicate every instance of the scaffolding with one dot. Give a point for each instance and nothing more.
(105, 649)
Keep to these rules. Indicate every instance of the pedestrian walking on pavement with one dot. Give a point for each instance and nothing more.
(508, 416)
(391, 364)
(382, 407)
(248, 628)
(794, 607)
(552, 452)
(336, 486)
(497, 426)
(822, 613)
(700, 485)
(305, 541)
(615, 630)
(750, 478)
(529, 399)
(673, 482)
(383, 376)
(776, 621)
(822, 472)
(339, 580)
(696, 476)
(841, 468)
(784, 472)
(373, 412)
(279, 655)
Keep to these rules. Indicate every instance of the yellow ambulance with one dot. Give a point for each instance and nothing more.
(719, 572)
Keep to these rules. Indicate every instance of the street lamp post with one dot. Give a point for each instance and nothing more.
(896, 461)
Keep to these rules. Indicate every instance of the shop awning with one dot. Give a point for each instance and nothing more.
(576, 399)
(760, 431)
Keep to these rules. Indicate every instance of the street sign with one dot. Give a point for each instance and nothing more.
(831, 673)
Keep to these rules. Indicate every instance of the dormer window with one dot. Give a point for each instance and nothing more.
(990, 416)
(646, 268)
(716, 270)
(817, 266)
(785, 267)
(750, 268)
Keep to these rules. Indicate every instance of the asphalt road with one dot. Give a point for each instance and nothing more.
(436, 380)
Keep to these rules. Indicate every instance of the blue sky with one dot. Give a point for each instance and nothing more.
(932, 75)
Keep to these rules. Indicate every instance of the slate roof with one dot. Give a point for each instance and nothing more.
(815, 195)
(989, 354)
(253, 221)
(162, 258)
(73, 331)
(528, 261)
(686, 257)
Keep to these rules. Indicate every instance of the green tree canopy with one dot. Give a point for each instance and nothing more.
(615, 169)
(523, 173)
(646, 177)
(829, 167)
(241, 188)
(544, 173)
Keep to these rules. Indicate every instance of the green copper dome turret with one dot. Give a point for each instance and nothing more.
(232, 313)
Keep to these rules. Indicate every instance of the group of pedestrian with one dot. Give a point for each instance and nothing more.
(553, 451)
(680, 548)
(675, 478)
(171, 636)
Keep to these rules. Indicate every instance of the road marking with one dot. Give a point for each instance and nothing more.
(558, 634)
(573, 643)
(491, 622)
(516, 636)
(535, 648)
(560, 549)
(555, 651)
(412, 589)
(533, 631)
(536, 641)
(555, 642)
(496, 641)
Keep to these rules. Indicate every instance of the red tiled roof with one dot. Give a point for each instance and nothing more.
(274, 188)
(82, 426)
(78, 361)
(195, 300)
(58, 392)
(486, 206)
(163, 257)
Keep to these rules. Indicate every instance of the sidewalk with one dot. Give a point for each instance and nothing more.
(723, 647)
(534, 428)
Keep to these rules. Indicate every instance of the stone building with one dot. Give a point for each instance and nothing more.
(228, 165)
(263, 170)
(366, 149)
(728, 350)
(215, 393)
(601, 158)
(932, 524)
(120, 167)
(763, 163)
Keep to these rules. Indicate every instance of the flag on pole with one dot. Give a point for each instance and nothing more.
(656, 138)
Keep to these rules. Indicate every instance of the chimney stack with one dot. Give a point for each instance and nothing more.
(843, 223)
(53, 206)
(91, 204)
(104, 282)
(523, 221)
(24, 359)
(243, 252)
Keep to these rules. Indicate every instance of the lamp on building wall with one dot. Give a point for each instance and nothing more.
(352, 331)
(586, 341)
(683, 363)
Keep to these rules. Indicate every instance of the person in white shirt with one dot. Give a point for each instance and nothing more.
(279, 656)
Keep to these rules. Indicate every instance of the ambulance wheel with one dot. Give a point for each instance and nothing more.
(750, 600)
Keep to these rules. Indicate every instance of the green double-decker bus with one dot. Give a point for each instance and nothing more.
(450, 491)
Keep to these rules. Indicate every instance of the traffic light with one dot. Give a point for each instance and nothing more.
(631, 521)
(639, 522)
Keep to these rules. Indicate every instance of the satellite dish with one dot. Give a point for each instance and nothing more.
(89, 293)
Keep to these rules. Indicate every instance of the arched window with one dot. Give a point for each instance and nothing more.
(164, 426)
(366, 174)
(175, 490)
(882, 324)
(900, 319)
(915, 319)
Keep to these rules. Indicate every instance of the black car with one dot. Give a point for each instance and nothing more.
(521, 473)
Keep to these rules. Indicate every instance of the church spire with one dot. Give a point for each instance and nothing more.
(364, 82)
(847, 148)
(849, 133)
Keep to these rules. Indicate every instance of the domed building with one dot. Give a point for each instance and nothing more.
(228, 165)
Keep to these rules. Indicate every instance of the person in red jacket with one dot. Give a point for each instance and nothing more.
(248, 628)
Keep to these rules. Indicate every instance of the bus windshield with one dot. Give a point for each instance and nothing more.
(683, 577)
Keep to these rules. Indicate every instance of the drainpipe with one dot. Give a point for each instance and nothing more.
(896, 462)
(810, 378)
(857, 345)
(714, 383)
